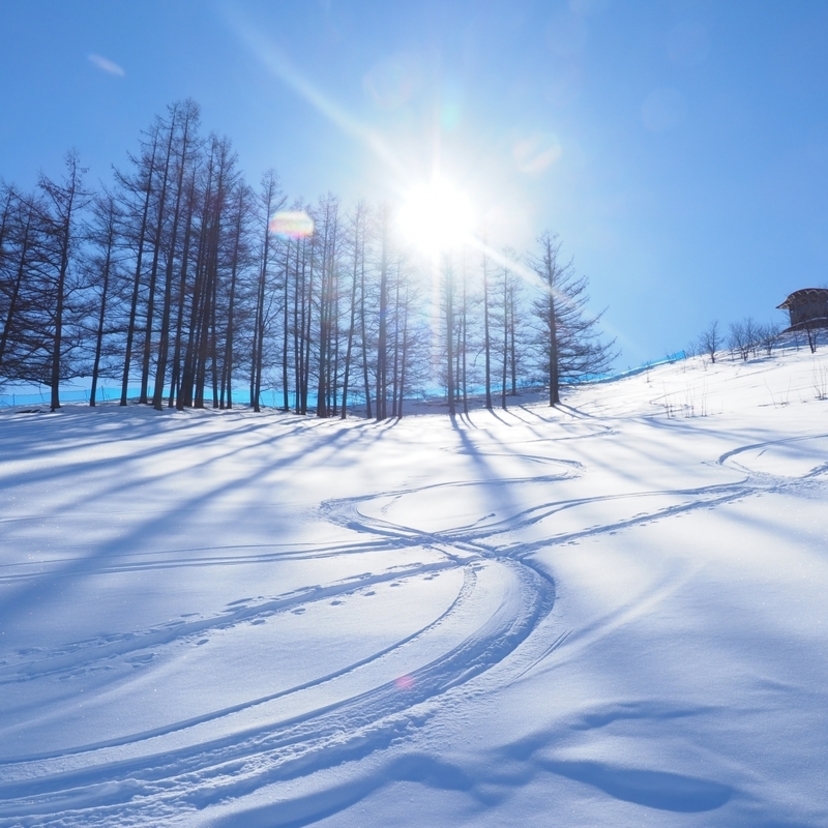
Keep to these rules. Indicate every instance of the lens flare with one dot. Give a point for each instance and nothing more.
(536, 153)
(295, 224)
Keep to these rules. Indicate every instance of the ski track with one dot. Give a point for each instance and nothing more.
(160, 775)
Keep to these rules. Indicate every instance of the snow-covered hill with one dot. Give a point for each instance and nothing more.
(613, 613)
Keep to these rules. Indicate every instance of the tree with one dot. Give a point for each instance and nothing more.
(487, 339)
(767, 335)
(136, 194)
(160, 218)
(21, 285)
(449, 290)
(357, 241)
(184, 120)
(384, 222)
(812, 328)
(742, 337)
(570, 342)
(212, 275)
(239, 257)
(103, 272)
(328, 317)
(506, 307)
(363, 327)
(710, 340)
(63, 201)
(270, 200)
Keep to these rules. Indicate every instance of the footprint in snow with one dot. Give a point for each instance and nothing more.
(140, 660)
(298, 610)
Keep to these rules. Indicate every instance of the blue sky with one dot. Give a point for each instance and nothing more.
(680, 149)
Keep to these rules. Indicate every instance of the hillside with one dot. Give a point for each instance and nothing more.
(613, 613)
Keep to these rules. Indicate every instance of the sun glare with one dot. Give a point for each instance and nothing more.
(436, 216)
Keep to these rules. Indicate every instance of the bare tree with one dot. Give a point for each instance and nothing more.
(356, 237)
(136, 195)
(187, 117)
(507, 315)
(64, 199)
(449, 289)
(742, 337)
(384, 230)
(104, 271)
(21, 264)
(711, 340)
(270, 200)
(812, 329)
(570, 342)
(767, 336)
(487, 338)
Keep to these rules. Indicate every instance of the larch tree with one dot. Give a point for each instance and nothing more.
(569, 338)
(136, 194)
(449, 290)
(102, 263)
(21, 264)
(356, 240)
(63, 200)
(185, 122)
(271, 199)
(485, 267)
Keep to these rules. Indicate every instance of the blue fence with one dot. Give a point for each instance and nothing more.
(273, 398)
(631, 372)
(41, 396)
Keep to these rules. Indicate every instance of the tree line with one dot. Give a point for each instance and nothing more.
(746, 338)
(181, 280)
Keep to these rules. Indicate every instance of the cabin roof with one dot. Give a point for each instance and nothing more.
(804, 295)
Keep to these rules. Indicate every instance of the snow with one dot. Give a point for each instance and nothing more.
(612, 613)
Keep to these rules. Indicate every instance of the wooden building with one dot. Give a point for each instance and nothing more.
(808, 308)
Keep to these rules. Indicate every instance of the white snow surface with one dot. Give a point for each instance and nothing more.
(610, 613)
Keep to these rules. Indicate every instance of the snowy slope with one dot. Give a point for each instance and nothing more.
(613, 613)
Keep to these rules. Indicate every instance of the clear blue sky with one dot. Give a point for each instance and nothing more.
(680, 149)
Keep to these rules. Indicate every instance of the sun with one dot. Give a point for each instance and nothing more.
(436, 216)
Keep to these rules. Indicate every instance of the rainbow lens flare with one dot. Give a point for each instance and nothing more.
(295, 224)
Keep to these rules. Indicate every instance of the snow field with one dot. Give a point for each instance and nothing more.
(611, 613)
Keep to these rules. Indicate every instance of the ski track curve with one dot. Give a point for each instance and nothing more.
(176, 768)
(155, 777)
